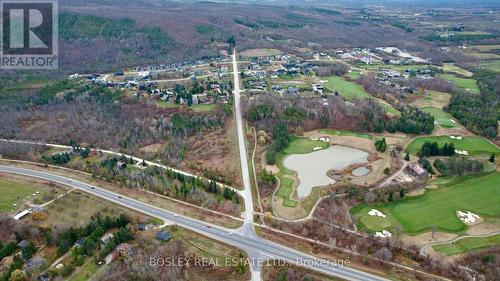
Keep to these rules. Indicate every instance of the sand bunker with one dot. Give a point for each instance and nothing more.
(468, 217)
(461, 152)
(383, 234)
(376, 213)
(456, 137)
(324, 139)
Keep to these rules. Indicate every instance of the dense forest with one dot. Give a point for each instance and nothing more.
(365, 115)
(479, 113)
(101, 117)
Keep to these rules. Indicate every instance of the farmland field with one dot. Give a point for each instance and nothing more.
(442, 117)
(467, 84)
(467, 244)
(436, 208)
(474, 145)
(347, 89)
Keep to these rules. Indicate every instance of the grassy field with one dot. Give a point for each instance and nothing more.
(346, 133)
(450, 67)
(474, 145)
(436, 208)
(15, 192)
(76, 208)
(467, 244)
(203, 107)
(298, 145)
(467, 84)
(493, 65)
(387, 106)
(353, 74)
(260, 52)
(347, 89)
(433, 99)
(195, 107)
(442, 117)
(85, 272)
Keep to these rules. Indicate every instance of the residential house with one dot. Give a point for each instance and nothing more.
(143, 227)
(417, 171)
(106, 238)
(79, 243)
(124, 249)
(23, 244)
(111, 257)
(163, 236)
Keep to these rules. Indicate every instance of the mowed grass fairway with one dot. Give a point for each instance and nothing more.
(347, 89)
(479, 194)
(14, 192)
(442, 117)
(297, 145)
(346, 133)
(474, 145)
(467, 244)
(467, 84)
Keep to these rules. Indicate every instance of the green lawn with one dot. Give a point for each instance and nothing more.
(493, 65)
(347, 89)
(353, 74)
(450, 67)
(442, 117)
(474, 145)
(467, 84)
(346, 133)
(297, 145)
(86, 271)
(203, 107)
(14, 192)
(467, 244)
(479, 194)
(387, 106)
(195, 107)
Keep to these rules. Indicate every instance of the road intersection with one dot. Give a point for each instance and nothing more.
(259, 250)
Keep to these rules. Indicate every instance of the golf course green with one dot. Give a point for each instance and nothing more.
(444, 119)
(437, 208)
(474, 145)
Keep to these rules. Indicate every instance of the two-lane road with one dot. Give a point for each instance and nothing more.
(245, 174)
(258, 249)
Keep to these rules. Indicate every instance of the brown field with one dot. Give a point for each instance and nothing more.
(260, 52)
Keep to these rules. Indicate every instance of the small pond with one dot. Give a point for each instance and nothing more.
(361, 171)
(312, 167)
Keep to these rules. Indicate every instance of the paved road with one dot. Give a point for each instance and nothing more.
(136, 159)
(258, 249)
(245, 174)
